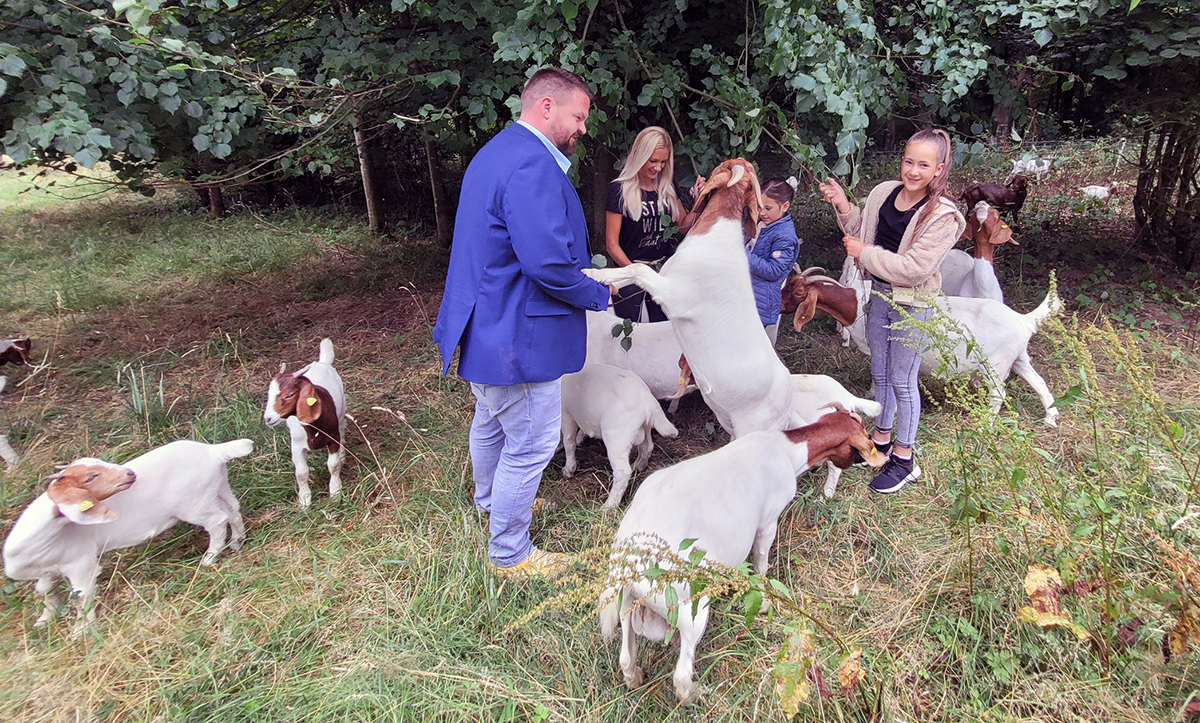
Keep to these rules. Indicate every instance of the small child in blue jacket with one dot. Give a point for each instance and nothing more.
(774, 254)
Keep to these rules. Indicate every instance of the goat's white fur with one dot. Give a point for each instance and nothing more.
(7, 453)
(705, 290)
(729, 501)
(616, 406)
(182, 481)
(653, 355)
(1100, 193)
(964, 275)
(1001, 335)
(1035, 166)
(322, 374)
(814, 396)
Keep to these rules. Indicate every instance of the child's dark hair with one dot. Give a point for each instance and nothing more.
(779, 190)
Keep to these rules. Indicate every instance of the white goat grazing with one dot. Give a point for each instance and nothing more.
(1036, 166)
(1001, 338)
(93, 506)
(616, 406)
(705, 289)
(314, 404)
(653, 355)
(728, 501)
(7, 453)
(1100, 193)
(975, 276)
(815, 394)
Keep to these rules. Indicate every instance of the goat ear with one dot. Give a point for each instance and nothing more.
(87, 512)
(753, 203)
(999, 232)
(717, 180)
(867, 449)
(308, 403)
(805, 311)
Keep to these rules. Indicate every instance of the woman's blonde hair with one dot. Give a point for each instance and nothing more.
(644, 146)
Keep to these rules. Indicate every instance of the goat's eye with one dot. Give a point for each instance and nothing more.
(91, 478)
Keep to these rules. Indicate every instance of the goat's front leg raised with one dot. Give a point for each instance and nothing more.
(299, 439)
(655, 284)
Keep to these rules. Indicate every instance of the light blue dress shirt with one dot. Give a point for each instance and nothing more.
(563, 162)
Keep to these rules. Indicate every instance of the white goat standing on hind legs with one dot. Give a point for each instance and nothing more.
(704, 288)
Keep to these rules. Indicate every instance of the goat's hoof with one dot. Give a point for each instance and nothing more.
(1051, 421)
(208, 561)
(41, 622)
(568, 473)
(236, 544)
(687, 692)
(635, 680)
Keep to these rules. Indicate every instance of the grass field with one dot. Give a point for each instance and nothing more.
(152, 322)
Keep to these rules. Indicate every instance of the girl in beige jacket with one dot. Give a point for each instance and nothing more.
(900, 237)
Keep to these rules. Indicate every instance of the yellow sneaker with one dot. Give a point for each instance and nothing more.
(540, 563)
(538, 506)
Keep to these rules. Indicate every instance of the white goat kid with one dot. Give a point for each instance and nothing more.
(728, 501)
(92, 506)
(653, 355)
(616, 406)
(974, 275)
(705, 290)
(313, 403)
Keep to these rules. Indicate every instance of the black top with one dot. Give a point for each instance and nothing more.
(642, 240)
(893, 222)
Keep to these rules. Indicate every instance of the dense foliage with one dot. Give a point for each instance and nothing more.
(230, 91)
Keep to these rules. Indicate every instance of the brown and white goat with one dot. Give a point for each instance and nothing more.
(991, 340)
(92, 506)
(1009, 197)
(15, 351)
(313, 403)
(974, 276)
(728, 502)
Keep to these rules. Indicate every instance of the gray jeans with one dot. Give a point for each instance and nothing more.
(895, 362)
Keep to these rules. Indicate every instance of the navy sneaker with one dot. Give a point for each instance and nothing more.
(883, 448)
(895, 474)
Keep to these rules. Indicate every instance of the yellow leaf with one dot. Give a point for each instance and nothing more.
(850, 672)
(1052, 620)
(1043, 585)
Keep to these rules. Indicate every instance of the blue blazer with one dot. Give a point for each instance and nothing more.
(515, 291)
(771, 261)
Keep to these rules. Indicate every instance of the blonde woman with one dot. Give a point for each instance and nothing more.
(642, 194)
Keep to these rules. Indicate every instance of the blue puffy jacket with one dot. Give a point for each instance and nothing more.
(770, 261)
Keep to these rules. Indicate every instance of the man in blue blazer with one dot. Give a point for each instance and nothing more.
(514, 306)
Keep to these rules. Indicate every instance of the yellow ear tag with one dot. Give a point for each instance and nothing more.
(310, 401)
(682, 380)
(86, 505)
(1003, 225)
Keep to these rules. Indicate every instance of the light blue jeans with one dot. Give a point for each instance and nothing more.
(513, 436)
(895, 362)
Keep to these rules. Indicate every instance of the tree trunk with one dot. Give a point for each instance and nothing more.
(368, 180)
(441, 206)
(216, 202)
(602, 167)
(1166, 205)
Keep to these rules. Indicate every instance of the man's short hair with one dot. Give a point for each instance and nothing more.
(555, 83)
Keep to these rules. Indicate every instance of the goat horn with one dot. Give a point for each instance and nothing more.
(738, 172)
(811, 270)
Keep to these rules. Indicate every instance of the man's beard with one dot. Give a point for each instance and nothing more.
(567, 147)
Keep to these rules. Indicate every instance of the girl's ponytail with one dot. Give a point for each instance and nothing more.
(938, 186)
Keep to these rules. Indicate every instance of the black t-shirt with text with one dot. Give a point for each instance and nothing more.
(893, 222)
(642, 240)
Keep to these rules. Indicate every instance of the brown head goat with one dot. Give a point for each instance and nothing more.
(313, 404)
(1009, 197)
(15, 351)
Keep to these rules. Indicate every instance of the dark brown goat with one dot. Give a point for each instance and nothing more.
(1010, 197)
(15, 351)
